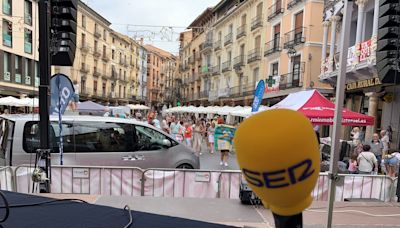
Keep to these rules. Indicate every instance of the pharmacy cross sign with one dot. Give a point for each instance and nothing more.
(270, 81)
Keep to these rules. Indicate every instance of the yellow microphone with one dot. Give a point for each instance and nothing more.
(278, 154)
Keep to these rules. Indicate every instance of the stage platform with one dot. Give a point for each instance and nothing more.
(232, 212)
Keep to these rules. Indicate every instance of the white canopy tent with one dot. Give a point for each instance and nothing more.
(246, 111)
(15, 102)
(137, 107)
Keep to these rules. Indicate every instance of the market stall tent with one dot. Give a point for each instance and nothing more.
(320, 110)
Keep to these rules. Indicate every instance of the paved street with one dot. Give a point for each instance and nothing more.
(211, 161)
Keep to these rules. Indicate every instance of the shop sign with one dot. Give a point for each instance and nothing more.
(363, 84)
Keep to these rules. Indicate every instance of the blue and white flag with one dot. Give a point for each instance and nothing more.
(62, 92)
(258, 96)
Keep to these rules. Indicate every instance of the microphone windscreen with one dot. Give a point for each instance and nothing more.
(278, 153)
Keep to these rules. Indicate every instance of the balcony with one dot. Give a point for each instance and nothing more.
(238, 61)
(85, 48)
(198, 56)
(105, 57)
(294, 37)
(96, 72)
(191, 59)
(224, 92)
(226, 66)
(114, 75)
(228, 39)
(217, 45)
(206, 69)
(254, 55)
(85, 91)
(122, 62)
(216, 70)
(275, 10)
(204, 94)
(293, 79)
(292, 3)
(196, 77)
(256, 22)
(96, 53)
(273, 46)
(97, 33)
(213, 95)
(241, 31)
(84, 68)
(207, 46)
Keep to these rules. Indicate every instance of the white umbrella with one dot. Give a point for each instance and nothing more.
(29, 102)
(11, 101)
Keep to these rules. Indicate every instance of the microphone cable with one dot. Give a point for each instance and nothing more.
(6, 206)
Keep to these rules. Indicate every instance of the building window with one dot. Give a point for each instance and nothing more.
(274, 69)
(28, 72)
(94, 87)
(113, 40)
(7, 66)
(7, 33)
(105, 35)
(83, 21)
(18, 69)
(255, 76)
(104, 89)
(119, 92)
(7, 7)
(28, 41)
(28, 12)
(95, 45)
(104, 50)
(113, 54)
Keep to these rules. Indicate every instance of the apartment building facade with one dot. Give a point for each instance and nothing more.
(364, 91)
(91, 71)
(251, 40)
(19, 48)
(142, 78)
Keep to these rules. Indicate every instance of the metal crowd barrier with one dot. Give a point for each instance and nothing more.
(132, 181)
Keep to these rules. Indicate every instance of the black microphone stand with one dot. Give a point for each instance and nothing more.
(293, 221)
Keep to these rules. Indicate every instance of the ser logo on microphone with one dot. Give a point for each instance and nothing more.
(278, 178)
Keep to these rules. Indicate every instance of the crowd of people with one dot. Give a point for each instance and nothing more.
(373, 157)
(191, 131)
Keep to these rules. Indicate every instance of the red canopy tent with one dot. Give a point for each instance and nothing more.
(320, 110)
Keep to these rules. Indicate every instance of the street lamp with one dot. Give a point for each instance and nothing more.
(291, 52)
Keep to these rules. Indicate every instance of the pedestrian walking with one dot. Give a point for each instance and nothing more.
(188, 134)
(353, 165)
(391, 162)
(385, 142)
(376, 148)
(210, 134)
(198, 132)
(367, 163)
(176, 129)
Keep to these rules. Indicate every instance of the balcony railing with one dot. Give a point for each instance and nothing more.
(191, 59)
(292, 3)
(241, 31)
(228, 39)
(254, 55)
(241, 91)
(294, 37)
(226, 66)
(238, 61)
(256, 22)
(84, 68)
(207, 45)
(96, 72)
(96, 53)
(85, 48)
(206, 69)
(97, 33)
(198, 56)
(204, 94)
(105, 57)
(216, 70)
(293, 79)
(273, 46)
(275, 10)
(217, 45)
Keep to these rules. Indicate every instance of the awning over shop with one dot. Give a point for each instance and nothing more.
(320, 110)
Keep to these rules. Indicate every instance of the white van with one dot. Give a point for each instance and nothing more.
(91, 140)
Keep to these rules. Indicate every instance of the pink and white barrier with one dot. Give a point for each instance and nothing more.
(182, 183)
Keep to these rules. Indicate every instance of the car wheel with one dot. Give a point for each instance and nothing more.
(184, 166)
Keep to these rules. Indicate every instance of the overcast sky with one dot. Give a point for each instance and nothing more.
(151, 12)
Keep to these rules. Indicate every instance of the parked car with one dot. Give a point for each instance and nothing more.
(93, 141)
